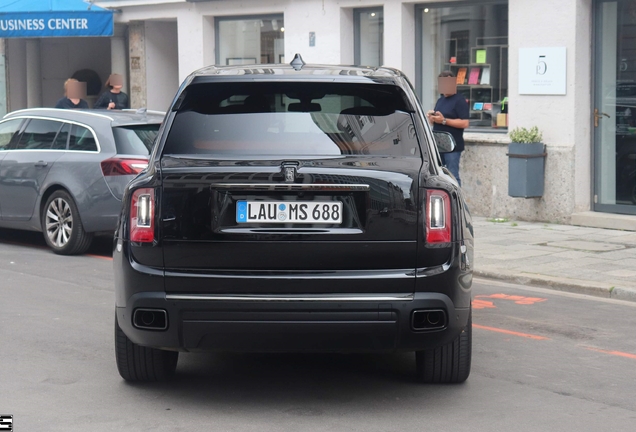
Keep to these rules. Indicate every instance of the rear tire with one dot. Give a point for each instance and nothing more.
(137, 363)
(62, 227)
(447, 364)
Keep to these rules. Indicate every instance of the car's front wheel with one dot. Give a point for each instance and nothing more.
(449, 363)
(138, 363)
(62, 227)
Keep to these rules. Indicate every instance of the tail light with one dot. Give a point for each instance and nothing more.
(122, 166)
(142, 212)
(438, 217)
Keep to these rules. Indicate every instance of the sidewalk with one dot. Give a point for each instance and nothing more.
(594, 261)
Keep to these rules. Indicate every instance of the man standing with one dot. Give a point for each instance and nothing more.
(451, 115)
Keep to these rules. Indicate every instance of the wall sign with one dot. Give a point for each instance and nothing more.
(56, 24)
(542, 71)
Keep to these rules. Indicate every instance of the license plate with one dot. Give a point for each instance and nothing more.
(327, 212)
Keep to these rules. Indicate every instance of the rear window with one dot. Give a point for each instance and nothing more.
(135, 140)
(81, 139)
(275, 119)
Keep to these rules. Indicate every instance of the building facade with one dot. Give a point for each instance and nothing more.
(568, 67)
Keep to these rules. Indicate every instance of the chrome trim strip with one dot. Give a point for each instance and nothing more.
(340, 275)
(287, 298)
(52, 110)
(61, 120)
(294, 186)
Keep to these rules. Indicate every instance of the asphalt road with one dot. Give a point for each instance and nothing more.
(542, 361)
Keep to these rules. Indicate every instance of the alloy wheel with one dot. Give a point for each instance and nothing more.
(59, 222)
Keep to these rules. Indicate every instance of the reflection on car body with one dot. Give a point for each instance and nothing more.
(63, 172)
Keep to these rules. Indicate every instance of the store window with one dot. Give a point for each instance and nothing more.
(369, 36)
(471, 40)
(250, 40)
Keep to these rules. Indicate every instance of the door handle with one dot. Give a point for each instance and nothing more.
(598, 115)
(41, 164)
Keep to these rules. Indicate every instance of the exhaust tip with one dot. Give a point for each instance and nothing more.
(150, 319)
(428, 319)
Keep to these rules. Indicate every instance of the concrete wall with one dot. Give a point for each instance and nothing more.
(16, 68)
(484, 171)
(162, 63)
(137, 64)
(3, 79)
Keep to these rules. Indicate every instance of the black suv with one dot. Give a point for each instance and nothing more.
(294, 208)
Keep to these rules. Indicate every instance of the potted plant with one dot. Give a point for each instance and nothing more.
(526, 162)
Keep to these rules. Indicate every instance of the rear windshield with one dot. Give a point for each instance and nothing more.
(135, 140)
(274, 119)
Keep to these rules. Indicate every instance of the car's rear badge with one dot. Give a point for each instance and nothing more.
(289, 171)
(290, 174)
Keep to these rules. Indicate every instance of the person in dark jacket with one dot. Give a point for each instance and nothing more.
(114, 98)
(451, 114)
(74, 91)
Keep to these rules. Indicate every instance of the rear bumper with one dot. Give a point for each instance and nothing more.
(364, 323)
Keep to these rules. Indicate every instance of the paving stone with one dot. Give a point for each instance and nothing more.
(586, 245)
(568, 254)
(579, 259)
(622, 273)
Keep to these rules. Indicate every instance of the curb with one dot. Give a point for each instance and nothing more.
(628, 294)
(597, 289)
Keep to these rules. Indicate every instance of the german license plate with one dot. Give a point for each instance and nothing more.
(327, 212)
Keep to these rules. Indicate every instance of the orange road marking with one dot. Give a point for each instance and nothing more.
(100, 256)
(616, 353)
(510, 332)
(515, 298)
(483, 304)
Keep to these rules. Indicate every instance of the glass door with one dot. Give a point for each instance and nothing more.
(614, 107)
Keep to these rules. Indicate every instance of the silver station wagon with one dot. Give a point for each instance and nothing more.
(63, 172)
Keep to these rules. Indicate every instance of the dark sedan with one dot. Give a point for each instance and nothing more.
(63, 172)
(294, 208)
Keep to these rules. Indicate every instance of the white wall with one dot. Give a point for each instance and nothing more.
(564, 120)
(332, 22)
(162, 63)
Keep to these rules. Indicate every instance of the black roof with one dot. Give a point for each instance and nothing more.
(311, 72)
(307, 70)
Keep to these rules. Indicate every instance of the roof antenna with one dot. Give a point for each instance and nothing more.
(297, 63)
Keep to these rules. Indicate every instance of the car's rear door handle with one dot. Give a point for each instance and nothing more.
(41, 164)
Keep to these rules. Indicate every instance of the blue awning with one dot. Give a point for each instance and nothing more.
(53, 18)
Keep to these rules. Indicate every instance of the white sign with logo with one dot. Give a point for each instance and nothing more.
(542, 71)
